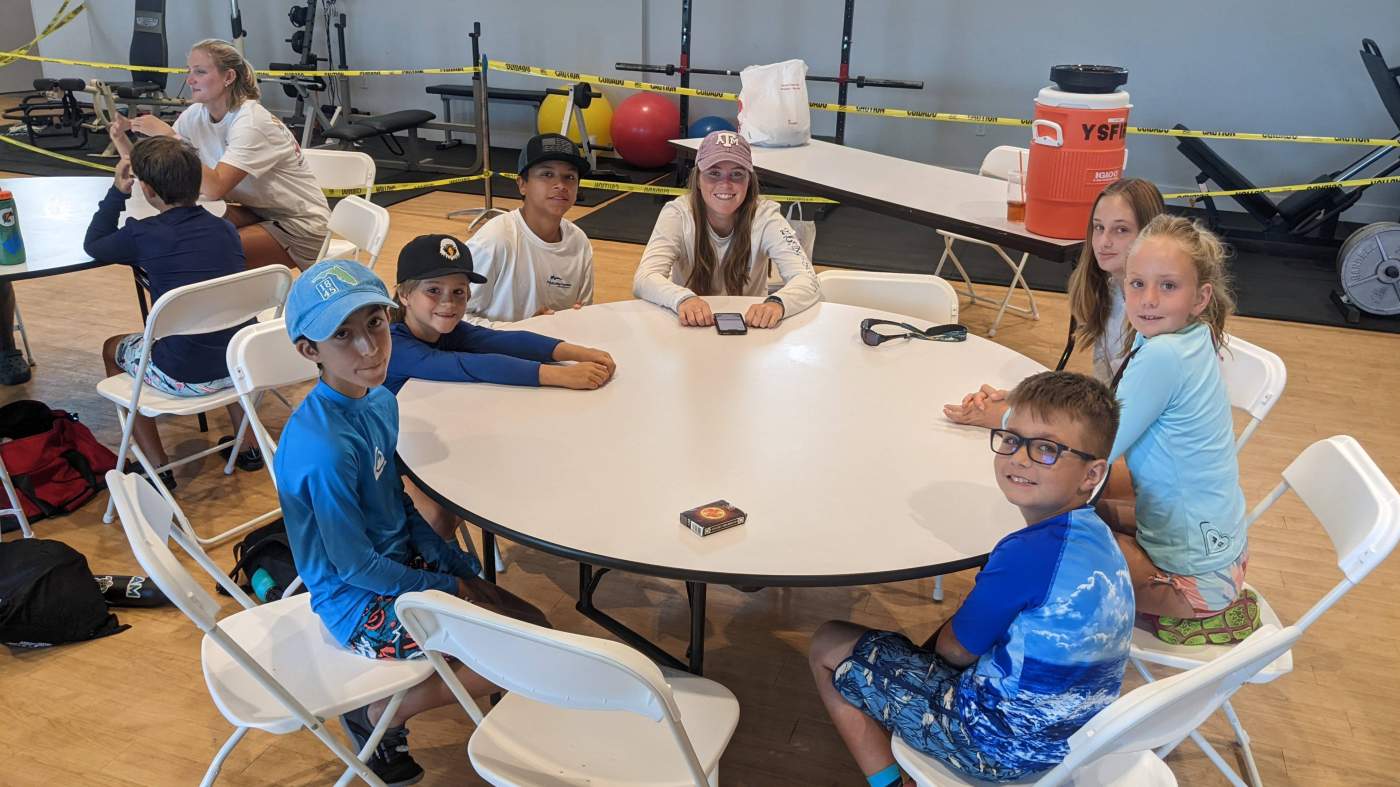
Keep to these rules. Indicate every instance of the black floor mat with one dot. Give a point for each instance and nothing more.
(1273, 287)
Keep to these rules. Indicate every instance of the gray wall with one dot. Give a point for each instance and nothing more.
(1246, 65)
(17, 29)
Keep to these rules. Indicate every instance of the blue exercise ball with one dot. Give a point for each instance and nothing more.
(709, 123)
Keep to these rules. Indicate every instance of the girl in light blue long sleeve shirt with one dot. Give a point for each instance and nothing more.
(1187, 552)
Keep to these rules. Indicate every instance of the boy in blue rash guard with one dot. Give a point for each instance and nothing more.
(431, 342)
(1040, 643)
(357, 540)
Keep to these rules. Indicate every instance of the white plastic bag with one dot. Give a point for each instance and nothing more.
(773, 109)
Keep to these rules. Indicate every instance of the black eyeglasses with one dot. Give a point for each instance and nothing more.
(952, 332)
(1040, 450)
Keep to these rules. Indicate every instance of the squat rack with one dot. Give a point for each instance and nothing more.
(843, 79)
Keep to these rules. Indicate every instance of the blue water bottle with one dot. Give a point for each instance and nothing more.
(264, 586)
(11, 243)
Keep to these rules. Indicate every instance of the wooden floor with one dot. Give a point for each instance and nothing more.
(133, 710)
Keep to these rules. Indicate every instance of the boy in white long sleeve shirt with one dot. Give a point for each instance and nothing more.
(535, 260)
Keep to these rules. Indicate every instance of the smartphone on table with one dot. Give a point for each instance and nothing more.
(730, 324)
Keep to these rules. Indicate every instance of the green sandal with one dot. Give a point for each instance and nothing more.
(1226, 627)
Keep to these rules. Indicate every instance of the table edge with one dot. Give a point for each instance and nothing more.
(708, 577)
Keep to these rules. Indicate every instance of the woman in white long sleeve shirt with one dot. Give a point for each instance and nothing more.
(719, 239)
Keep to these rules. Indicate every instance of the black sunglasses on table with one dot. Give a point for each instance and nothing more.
(1042, 451)
(951, 332)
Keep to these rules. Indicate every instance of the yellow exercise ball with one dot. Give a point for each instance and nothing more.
(598, 118)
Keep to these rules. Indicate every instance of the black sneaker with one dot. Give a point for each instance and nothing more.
(390, 761)
(14, 369)
(250, 459)
(167, 477)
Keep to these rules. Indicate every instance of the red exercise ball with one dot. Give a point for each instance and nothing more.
(640, 127)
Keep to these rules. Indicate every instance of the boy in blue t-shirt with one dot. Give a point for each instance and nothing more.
(184, 244)
(1040, 643)
(357, 540)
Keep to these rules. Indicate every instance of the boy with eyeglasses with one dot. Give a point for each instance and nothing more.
(1039, 644)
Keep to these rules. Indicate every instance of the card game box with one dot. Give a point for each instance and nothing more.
(713, 517)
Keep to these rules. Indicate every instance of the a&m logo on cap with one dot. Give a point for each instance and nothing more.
(326, 281)
(449, 250)
(727, 138)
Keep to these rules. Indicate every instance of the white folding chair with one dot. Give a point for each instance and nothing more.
(16, 508)
(204, 307)
(926, 297)
(363, 225)
(913, 294)
(1360, 510)
(999, 162)
(554, 727)
(1115, 748)
(270, 667)
(1254, 378)
(343, 169)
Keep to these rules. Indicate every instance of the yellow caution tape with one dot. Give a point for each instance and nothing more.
(1335, 184)
(916, 114)
(374, 72)
(384, 188)
(59, 156)
(58, 21)
(574, 76)
(668, 191)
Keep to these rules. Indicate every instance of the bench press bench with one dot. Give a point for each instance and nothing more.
(468, 93)
(358, 129)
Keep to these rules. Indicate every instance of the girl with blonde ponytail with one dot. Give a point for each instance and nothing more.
(250, 159)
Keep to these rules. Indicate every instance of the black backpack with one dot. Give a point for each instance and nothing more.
(265, 548)
(47, 596)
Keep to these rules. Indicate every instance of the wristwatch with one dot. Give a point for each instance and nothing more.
(777, 300)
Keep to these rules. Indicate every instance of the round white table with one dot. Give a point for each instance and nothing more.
(838, 452)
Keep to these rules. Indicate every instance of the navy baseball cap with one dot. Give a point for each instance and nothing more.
(327, 293)
(551, 147)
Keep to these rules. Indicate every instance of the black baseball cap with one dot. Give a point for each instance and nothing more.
(551, 147)
(427, 256)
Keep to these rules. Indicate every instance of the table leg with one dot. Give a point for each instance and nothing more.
(488, 554)
(588, 582)
(696, 591)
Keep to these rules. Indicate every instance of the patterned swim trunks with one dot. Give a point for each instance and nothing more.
(379, 634)
(128, 357)
(910, 692)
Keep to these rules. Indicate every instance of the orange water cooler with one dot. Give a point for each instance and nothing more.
(1077, 147)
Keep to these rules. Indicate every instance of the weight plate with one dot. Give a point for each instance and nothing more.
(1369, 267)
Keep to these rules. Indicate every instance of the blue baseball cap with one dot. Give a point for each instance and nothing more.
(327, 293)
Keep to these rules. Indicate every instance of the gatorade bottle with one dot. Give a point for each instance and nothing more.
(265, 587)
(11, 244)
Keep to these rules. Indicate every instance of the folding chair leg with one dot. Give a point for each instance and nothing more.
(375, 736)
(18, 506)
(950, 255)
(1243, 737)
(23, 336)
(218, 763)
(1217, 760)
(938, 589)
(1017, 278)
